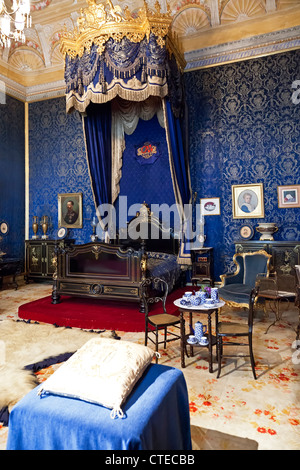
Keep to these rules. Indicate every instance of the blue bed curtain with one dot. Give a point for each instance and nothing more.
(181, 177)
(97, 129)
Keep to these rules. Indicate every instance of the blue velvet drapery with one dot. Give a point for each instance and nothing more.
(97, 128)
(180, 166)
(181, 177)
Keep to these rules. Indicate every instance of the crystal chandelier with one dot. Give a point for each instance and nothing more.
(13, 20)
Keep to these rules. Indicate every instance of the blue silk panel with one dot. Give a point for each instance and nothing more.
(12, 182)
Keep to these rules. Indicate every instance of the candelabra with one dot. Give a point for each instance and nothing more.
(94, 236)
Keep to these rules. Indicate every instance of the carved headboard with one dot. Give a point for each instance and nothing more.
(145, 228)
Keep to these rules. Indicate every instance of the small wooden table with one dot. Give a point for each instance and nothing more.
(212, 341)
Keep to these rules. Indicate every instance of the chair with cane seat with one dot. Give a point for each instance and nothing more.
(156, 290)
(235, 331)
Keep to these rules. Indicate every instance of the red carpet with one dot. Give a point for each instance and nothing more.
(93, 314)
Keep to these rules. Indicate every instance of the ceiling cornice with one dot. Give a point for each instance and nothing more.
(209, 36)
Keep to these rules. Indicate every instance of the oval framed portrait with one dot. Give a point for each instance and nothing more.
(246, 232)
(3, 228)
(248, 201)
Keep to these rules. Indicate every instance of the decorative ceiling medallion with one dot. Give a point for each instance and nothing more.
(100, 22)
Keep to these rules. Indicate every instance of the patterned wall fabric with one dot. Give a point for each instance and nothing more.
(244, 128)
(57, 164)
(12, 180)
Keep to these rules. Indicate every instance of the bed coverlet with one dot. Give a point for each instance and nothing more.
(157, 418)
(164, 266)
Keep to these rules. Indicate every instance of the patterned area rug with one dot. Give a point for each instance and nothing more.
(234, 411)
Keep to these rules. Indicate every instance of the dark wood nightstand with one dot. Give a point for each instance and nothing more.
(202, 267)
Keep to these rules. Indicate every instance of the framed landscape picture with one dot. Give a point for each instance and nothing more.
(70, 210)
(288, 196)
(248, 201)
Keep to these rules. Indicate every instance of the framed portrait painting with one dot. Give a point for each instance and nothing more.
(210, 206)
(248, 201)
(289, 196)
(70, 210)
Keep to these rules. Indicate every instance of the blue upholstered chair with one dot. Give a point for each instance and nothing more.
(236, 287)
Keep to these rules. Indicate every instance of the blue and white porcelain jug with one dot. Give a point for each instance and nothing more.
(200, 330)
(214, 294)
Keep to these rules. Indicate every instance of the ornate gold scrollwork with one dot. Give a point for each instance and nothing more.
(96, 250)
(99, 22)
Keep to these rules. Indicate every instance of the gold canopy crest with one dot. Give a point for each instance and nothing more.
(101, 21)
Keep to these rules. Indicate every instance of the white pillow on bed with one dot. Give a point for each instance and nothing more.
(103, 371)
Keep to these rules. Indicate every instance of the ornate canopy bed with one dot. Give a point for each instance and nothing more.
(119, 68)
(115, 271)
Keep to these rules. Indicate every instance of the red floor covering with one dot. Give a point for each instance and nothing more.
(93, 314)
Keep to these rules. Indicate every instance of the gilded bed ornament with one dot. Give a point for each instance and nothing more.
(99, 22)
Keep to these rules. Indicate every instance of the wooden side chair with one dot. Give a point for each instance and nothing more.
(156, 290)
(297, 269)
(269, 289)
(236, 331)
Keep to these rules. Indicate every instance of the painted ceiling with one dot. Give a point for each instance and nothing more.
(211, 32)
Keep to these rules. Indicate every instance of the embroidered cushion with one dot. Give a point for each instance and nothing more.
(103, 371)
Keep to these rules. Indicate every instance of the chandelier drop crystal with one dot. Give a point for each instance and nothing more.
(13, 20)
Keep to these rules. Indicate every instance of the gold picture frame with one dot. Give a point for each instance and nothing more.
(248, 201)
(70, 210)
(288, 196)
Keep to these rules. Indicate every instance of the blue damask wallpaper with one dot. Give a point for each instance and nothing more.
(12, 179)
(244, 128)
(57, 164)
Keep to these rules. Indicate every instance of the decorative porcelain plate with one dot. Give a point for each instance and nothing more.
(61, 233)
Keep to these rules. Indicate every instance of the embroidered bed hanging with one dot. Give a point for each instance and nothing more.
(114, 53)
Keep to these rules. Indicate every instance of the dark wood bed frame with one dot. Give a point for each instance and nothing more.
(106, 271)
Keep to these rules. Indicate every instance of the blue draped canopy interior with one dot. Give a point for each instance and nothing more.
(132, 71)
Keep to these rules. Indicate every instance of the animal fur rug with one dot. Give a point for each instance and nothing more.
(23, 344)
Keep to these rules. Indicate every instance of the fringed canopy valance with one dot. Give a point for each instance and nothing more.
(112, 53)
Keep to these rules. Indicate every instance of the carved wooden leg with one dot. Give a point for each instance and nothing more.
(55, 296)
(182, 339)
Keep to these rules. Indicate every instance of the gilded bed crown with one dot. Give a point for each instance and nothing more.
(101, 21)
